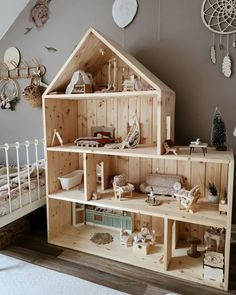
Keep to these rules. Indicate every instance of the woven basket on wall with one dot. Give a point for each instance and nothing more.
(33, 93)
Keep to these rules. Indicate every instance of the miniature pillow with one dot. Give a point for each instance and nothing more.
(177, 186)
(103, 133)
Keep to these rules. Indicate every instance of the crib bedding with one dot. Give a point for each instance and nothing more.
(15, 203)
(16, 185)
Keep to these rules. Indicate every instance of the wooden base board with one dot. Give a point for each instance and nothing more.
(181, 265)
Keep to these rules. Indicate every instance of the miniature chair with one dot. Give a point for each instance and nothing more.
(170, 147)
(217, 235)
(121, 187)
(188, 199)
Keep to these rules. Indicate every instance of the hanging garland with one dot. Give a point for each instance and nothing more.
(220, 18)
(9, 94)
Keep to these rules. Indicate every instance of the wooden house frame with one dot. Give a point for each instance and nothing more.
(73, 115)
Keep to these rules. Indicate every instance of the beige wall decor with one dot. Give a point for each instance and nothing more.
(124, 11)
(220, 17)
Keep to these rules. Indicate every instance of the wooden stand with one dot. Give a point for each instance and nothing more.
(192, 252)
(76, 114)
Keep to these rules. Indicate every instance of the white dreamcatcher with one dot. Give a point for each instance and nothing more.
(219, 16)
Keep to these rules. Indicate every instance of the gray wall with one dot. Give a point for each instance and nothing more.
(180, 58)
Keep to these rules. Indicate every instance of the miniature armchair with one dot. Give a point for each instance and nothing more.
(188, 199)
(122, 187)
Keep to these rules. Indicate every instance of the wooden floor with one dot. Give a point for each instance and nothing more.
(34, 249)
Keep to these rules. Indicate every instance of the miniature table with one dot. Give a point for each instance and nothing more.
(201, 145)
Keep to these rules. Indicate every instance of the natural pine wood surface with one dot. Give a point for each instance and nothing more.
(34, 248)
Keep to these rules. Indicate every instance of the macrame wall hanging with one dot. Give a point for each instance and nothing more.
(219, 16)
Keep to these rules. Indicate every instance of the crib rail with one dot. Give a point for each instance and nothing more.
(16, 148)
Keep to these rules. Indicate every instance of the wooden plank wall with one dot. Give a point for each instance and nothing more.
(90, 175)
(117, 112)
(123, 72)
(60, 164)
(59, 216)
(61, 115)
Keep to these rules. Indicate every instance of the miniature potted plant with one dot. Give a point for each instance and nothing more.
(213, 196)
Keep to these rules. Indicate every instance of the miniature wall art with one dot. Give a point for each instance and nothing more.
(124, 11)
(220, 18)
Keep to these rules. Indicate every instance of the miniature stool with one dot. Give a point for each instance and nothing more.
(192, 252)
(201, 145)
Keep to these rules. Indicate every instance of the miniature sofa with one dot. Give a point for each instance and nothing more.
(162, 184)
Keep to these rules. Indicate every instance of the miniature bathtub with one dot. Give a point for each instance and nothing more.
(72, 179)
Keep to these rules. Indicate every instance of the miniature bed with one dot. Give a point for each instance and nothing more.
(100, 137)
(22, 186)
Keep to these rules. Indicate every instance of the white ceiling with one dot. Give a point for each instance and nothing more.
(9, 11)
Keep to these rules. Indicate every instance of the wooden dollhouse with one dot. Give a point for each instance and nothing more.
(111, 105)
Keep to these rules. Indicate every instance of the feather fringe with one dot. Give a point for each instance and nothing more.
(213, 54)
(226, 66)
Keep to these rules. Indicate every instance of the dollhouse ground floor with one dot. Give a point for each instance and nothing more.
(34, 248)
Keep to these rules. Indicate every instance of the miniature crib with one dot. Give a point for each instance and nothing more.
(22, 187)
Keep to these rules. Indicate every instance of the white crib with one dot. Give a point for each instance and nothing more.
(23, 188)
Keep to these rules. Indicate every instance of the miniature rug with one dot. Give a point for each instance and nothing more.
(22, 278)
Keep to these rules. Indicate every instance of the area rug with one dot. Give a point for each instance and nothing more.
(22, 278)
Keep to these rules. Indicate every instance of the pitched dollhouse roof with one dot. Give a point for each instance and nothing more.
(87, 56)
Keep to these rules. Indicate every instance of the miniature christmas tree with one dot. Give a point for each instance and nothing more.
(218, 135)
